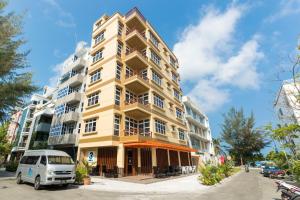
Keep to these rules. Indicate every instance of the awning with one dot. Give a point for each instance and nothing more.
(161, 145)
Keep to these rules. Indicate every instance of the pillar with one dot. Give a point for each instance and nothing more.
(120, 159)
(168, 151)
(179, 159)
(139, 160)
(154, 161)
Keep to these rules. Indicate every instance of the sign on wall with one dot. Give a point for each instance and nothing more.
(91, 156)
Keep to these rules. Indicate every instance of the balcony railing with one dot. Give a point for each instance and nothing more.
(23, 144)
(142, 34)
(136, 131)
(136, 100)
(129, 51)
(135, 10)
(26, 130)
(145, 78)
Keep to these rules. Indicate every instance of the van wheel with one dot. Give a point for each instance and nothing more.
(37, 183)
(19, 179)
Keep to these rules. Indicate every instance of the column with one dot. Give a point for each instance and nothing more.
(139, 160)
(179, 160)
(120, 159)
(168, 151)
(154, 161)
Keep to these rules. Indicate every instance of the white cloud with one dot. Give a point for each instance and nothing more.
(60, 68)
(286, 8)
(66, 19)
(210, 60)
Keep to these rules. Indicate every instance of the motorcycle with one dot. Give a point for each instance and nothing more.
(288, 191)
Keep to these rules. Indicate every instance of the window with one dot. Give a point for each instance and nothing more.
(155, 58)
(144, 98)
(177, 95)
(117, 96)
(118, 71)
(280, 112)
(90, 125)
(30, 160)
(119, 49)
(174, 77)
(181, 134)
(95, 76)
(99, 38)
(62, 92)
(144, 126)
(130, 126)
(117, 125)
(156, 78)
(81, 109)
(68, 128)
(158, 101)
(129, 72)
(79, 127)
(153, 39)
(93, 99)
(160, 126)
(178, 113)
(172, 61)
(43, 160)
(23, 160)
(55, 130)
(120, 29)
(59, 110)
(60, 160)
(98, 55)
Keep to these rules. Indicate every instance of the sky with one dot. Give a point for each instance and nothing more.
(231, 53)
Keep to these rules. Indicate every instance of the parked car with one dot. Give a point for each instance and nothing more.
(277, 173)
(46, 167)
(268, 170)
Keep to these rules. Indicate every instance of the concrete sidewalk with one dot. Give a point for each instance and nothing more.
(178, 185)
(5, 175)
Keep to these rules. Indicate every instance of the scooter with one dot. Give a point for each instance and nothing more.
(288, 191)
(246, 168)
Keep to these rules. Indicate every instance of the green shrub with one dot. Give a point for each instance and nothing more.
(226, 168)
(210, 175)
(11, 166)
(296, 170)
(81, 172)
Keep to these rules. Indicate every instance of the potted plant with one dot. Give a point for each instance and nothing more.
(82, 173)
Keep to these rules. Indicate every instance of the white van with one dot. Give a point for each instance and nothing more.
(46, 167)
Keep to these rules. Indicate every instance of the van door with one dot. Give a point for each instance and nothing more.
(32, 168)
(42, 168)
(23, 168)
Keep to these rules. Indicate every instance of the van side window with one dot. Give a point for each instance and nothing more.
(23, 160)
(43, 160)
(32, 160)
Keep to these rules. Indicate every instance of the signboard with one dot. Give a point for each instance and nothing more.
(91, 156)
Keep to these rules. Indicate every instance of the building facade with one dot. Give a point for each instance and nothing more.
(69, 103)
(199, 133)
(34, 124)
(287, 105)
(14, 123)
(133, 115)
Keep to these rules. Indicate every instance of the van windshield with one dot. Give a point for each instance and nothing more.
(60, 160)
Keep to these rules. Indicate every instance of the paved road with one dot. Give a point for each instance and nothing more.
(244, 186)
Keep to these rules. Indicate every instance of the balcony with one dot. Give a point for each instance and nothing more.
(70, 117)
(135, 135)
(199, 136)
(71, 98)
(75, 80)
(137, 108)
(43, 127)
(136, 39)
(136, 59)
(78, 64)
(137, 83)
(193, 120)
(22, 145)
(26, 130)
(134, 18)
(70, 139)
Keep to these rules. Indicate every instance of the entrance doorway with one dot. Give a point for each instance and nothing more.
(131, 162)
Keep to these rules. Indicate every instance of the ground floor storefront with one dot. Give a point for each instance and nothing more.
(135, 159)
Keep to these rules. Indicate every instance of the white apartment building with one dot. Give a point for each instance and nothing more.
(287, 105)
(199, 133)
(34, 123)
(69, 102)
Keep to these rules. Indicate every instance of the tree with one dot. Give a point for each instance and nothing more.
(217, 146)
(279, 158)
(243, 142)
(15, 84)
(5, 146)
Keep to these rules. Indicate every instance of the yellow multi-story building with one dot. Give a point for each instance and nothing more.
(133, 116)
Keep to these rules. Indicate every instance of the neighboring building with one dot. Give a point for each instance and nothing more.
(69, 103)
(12, 131)
(287, 105)
(133, 115)
(30, 131)
(199, 133)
